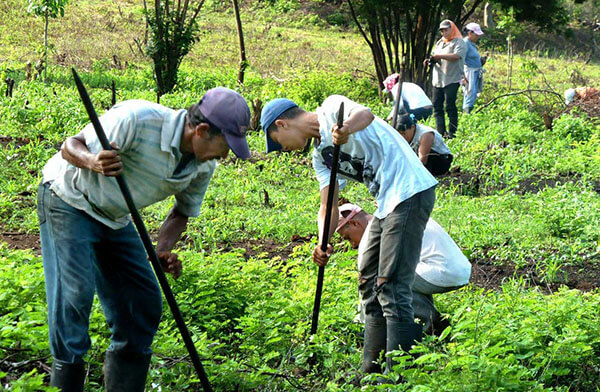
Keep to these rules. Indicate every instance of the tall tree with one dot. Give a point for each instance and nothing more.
(48, 9)
(173, 28)
(394, 29)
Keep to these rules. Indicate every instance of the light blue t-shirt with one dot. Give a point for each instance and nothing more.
(472, 58)
(376, 156)
(148, 136)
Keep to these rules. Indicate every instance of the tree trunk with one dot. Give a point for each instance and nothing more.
(243, 61)
(46, 47)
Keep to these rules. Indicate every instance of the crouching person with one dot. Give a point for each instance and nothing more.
(427, 143)
(442, 266)
(89, 243)
(372, 152)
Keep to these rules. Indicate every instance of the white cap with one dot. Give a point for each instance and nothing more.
(474, 27)
(569, 95)
(353, 208)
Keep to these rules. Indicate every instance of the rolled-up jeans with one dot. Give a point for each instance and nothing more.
(392, 253)
(82, 256)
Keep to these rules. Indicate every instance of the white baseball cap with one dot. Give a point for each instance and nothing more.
(353, 208)
(474, 27)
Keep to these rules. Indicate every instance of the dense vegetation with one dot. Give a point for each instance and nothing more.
(525, 200)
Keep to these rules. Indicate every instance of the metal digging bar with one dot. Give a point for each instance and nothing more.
(325, 237)
(141, 228)
(397, 99)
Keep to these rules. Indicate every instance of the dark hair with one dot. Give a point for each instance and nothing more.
(405, 122)
(195, 117)
(290, 113)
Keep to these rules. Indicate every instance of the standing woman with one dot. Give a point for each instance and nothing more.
(473, 67)
(448, 62)
(427, 143)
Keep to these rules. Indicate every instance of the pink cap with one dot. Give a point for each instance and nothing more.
(354, 209)
(474, 27)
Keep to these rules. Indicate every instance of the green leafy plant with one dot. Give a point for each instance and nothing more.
(48, 9)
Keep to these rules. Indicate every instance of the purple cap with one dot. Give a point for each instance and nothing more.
(228, 111)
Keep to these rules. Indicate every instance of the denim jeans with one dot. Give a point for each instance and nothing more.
(82, 256)
(423, 304)
(392, 253)
(447, 94)
(472, 90)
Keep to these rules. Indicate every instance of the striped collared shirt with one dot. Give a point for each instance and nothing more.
(148, 136)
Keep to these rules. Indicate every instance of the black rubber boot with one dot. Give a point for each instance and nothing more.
(401, 335)
(125, 372)
(68, 377)
(375, 340)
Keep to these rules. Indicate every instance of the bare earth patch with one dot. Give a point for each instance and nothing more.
(485, 274)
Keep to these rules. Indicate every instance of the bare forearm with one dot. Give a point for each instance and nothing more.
(107, 162)
(359, 120)
(76, 153)
(448, 57)
(171, 230)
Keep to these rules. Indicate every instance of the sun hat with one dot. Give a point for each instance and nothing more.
(570, 95)
(474, 27)
(271, 112)
(445, 24)
(353, 208)
(228, 111)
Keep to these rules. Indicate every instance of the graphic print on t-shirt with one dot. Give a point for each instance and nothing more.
(353, 168)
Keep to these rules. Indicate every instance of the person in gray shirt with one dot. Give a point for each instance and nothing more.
(448, 62)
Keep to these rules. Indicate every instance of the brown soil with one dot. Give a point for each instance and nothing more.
(266, 249)
(590, 105)
(22, 141)
(22, 241)
(584, 277)
(485, 273)
(477, 185)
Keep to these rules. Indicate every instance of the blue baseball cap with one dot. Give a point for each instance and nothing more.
(229, 112)
(272, 110)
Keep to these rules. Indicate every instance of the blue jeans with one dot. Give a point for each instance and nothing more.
(392, 252)
(82, 256)
(473, 88)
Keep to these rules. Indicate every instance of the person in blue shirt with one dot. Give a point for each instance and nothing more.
(473, 79)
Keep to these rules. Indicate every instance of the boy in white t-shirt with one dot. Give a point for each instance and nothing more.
(372, 152)
(442, 266)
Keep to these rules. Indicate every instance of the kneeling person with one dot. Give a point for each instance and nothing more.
(427, 143)
(442, 266)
